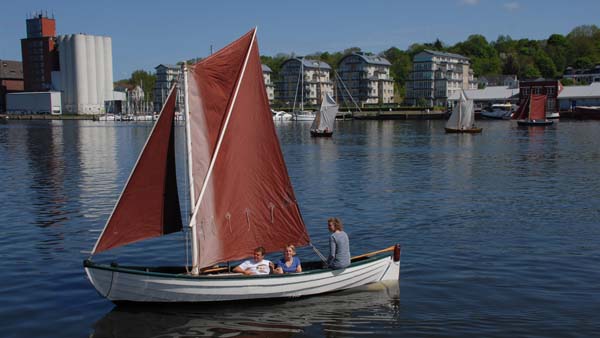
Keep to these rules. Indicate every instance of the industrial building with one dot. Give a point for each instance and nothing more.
(11, 80)
(38, 51)
(32, 103)
(85, 75)
(76, 66)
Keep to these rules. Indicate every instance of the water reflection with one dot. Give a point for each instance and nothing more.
(372, 309)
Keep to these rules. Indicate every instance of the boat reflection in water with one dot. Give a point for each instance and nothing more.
(371, 309)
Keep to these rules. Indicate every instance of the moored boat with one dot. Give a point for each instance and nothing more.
(228, 127)
(498, 111)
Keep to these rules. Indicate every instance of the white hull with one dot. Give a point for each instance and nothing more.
(282, 116)
(128, 285)
(305, 116)
(554, 115)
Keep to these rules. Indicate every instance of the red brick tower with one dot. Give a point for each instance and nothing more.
(39, 53)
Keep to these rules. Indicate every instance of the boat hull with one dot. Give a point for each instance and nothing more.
(497, 115)
(120, 284)
(534, 123)
(314, 133)
(467, 131)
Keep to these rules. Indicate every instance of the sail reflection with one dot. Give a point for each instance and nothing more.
(374, 307)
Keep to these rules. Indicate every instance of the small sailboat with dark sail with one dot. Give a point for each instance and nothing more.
(322, 125)
(532, 112)
(462, 119)
(240, 196)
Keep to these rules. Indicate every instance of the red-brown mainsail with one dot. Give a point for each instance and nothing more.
(149, 204)
(537, 107)
(244, 197)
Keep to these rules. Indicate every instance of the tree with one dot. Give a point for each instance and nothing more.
(556, 48)
(145, 80)
(545, 65)
(530, 72)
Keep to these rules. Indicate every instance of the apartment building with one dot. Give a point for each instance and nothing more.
(366, 78)
(583, 76)
(166, 75)
(303, 80)
(436, 76)
(268, 82)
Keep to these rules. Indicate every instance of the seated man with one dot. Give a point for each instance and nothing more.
(256, 266)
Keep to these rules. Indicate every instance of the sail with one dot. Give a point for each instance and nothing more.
(463, 115)
(523, 110)
(149, 204)
(326, 116)
(537, 107)
(244, 197)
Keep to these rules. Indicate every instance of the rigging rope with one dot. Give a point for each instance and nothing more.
(318, 253)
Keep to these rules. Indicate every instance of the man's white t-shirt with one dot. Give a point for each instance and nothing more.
(260, 268)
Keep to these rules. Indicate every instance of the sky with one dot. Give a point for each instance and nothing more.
(147, 33)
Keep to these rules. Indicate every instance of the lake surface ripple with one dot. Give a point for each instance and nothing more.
(500, 231)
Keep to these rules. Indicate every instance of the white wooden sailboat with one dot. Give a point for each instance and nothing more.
(462, 119)
(322, 125)
(240, 194)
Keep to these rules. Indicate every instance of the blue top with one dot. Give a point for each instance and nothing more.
(339, 250)
(291, 268)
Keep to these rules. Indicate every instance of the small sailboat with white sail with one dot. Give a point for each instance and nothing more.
(322, 125)
(462, 119)
(240, 196)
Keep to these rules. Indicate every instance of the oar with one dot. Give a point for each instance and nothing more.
(391, 248)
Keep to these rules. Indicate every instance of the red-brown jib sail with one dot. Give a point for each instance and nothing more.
(149, 204)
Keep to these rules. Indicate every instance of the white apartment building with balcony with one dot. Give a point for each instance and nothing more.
(436, 76)
(268, 82)
(166, 75)
(367, 78)
(310, 88)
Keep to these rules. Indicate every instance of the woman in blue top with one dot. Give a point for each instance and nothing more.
(289, 263)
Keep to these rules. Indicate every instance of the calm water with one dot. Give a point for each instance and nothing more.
(500, 231)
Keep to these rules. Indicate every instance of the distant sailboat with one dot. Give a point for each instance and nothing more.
(533, 112)
(240, 194)
(462, 119)
(322, 125)
(301, 115)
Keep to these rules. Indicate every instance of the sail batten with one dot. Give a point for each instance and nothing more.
(149, 204)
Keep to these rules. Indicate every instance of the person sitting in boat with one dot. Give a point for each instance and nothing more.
(257, 265)
(339, 245)
(289, 263)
